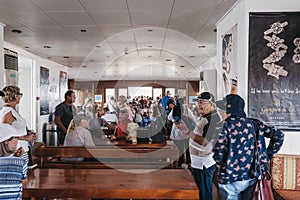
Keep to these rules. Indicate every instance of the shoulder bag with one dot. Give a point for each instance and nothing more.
(263, 186)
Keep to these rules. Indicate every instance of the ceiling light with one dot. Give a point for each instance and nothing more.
(47, 47)
(16, 31)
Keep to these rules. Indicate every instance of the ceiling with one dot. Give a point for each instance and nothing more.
(118, 39)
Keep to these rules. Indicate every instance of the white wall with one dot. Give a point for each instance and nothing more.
(240, 14)
(54, 69)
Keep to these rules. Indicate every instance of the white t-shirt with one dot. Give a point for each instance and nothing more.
(19, 124)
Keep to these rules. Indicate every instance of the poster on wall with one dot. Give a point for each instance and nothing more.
(274, 68)
(44, 91)
(229, 61)
(63, 85)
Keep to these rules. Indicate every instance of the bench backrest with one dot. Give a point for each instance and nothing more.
(109, 156)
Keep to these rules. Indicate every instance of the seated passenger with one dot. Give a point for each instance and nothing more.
(111, 118)
(78, 135)
(122, 125)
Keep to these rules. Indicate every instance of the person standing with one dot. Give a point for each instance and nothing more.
(10, 115)
(64, 113)
(201, 144)
(240, 151)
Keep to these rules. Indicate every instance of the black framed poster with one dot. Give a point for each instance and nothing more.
(274, 68)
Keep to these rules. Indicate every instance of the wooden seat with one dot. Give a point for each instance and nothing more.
(121, 156)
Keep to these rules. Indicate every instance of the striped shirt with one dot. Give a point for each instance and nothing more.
(12, 171)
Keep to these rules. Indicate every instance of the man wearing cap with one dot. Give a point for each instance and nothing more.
(201, 145)
(238, 140)
(11, 177)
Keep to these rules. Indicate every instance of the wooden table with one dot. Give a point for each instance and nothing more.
(108, 183)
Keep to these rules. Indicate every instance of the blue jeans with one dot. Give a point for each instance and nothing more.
(204, 178)
(237, 190)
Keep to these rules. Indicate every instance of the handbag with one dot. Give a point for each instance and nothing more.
(263, 186)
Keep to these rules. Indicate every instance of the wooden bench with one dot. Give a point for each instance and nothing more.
(110, 184)
(285, 170)
(120, 156)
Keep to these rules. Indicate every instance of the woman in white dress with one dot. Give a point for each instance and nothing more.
(10, 115)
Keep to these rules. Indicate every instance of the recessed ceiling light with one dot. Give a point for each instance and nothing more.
(201, 46)
(47, 47)
(168, 60)
(66, 57)
(83, 30)
(16, 31)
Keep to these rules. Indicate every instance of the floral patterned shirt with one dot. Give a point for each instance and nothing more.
(235, 151)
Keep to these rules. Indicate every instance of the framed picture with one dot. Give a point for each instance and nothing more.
(98, 98)
(193, 99)
(273, 71)
(44, 91)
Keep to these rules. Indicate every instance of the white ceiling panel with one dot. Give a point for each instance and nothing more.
(58, 5)
(101, 5)
(150, 18)
(109, 31)
(111, 18)
(146, 5)
(71, 18)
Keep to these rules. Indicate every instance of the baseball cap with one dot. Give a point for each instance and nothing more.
(233, 104)
(206, 96)
(7, 131)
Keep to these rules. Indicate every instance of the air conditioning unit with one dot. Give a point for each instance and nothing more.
(10, 67)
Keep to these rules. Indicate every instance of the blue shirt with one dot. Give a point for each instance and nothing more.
(235, 151)
(12, 171)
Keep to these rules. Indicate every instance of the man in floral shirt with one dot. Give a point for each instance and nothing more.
(238, 161)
